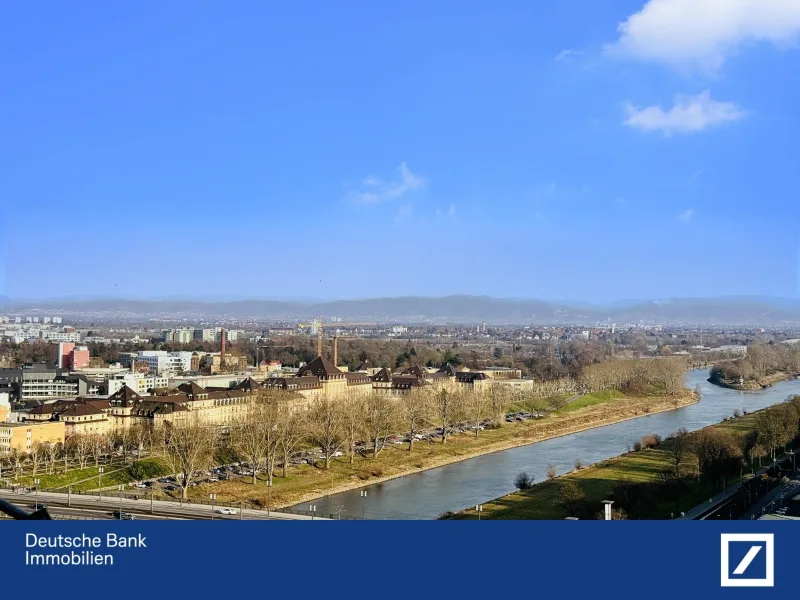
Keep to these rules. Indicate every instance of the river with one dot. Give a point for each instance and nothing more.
(453, 487)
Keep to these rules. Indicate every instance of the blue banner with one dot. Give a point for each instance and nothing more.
(589, 559)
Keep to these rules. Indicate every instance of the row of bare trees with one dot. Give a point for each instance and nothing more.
(636, 376)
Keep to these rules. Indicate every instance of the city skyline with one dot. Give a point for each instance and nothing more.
(517, 151)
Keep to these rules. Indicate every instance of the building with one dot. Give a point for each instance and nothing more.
(42, 381)
(23, 436)
(79, 416)
(62, 358)
(141, 383)
(5, 406)
(79, 358)
(60, 336)
(161, 362)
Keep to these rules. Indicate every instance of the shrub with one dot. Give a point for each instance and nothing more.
(650, 440)
(637, 445)
(736, 413)
(523, 481)
(578, 464)
(552, 472)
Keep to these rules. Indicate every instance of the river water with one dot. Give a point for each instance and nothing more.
(453, 487)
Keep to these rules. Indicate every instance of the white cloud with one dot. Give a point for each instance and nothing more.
(568, 53)
(686, 215)
(375, 190)
(702, 34)
(689, 114)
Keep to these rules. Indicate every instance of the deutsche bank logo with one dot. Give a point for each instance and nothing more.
(748, 560)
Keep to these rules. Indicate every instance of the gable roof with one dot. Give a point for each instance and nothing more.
(190, 388)
(125, 396)
(249, 384)
(415, 371)
(364, 366)
(384, 375)
(320, 367)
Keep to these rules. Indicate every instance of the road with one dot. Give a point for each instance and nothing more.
(165, 509)
(772, 500)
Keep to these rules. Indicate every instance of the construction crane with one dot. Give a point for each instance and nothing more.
(319, 325)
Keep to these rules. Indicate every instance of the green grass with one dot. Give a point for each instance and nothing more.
(593, 399)
(143, 469)
(598, 482)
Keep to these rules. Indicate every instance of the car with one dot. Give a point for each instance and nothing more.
(226, 511)
(213, 479)
(42, 505)
(125, 516)
(163, 479)
(139, 485)
(337, 454)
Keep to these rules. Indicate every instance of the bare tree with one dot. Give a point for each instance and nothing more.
(52, 452)
(415, 411)
(97, 445)
(325, 420)
(477, 408)
(36, 455)
(447, 407)
(293, 429)
(679, 447)
(552, 472)
(379, 417)
(189, 449)
(255, 435)
(17, 458)
(353, 418)
(78, 447)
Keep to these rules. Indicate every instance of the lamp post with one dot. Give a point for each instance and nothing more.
(213, 498)
(99, 476)
(363, 497)
(121, 487)
(69, 495)
(312, 508)
(269, 496)
(36, 483)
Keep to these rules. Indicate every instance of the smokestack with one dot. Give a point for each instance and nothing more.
(222, 336)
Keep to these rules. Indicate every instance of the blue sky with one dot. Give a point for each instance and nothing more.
(557, 150)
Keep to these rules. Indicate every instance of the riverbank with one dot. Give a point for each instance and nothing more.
(305, 483)
(631, 472)
(751, 385)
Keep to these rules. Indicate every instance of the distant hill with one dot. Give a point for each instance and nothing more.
(744, 310)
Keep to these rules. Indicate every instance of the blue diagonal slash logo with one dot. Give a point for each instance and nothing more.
(747, 560)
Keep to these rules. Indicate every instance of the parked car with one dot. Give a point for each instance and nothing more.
(213, 479)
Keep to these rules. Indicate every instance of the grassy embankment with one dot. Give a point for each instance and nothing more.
(599, 480)
(306, 482)
(83, 480)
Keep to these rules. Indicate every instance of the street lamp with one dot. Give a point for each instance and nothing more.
(269, 496)
(69, 495)
(213, 498)
(312, 508)
(363, 495)
(99, 475)
(36, 483)
(121, 487)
